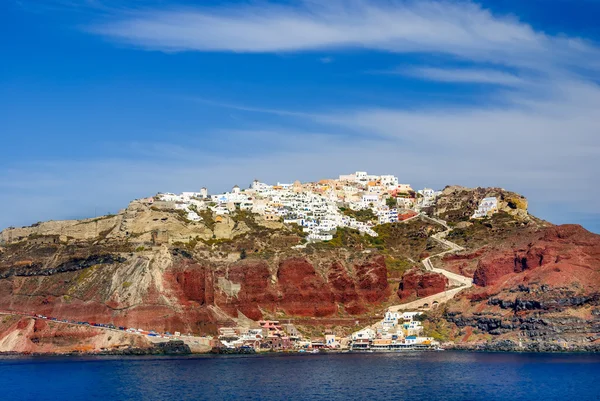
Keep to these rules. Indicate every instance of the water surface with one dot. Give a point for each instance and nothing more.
(414, 376)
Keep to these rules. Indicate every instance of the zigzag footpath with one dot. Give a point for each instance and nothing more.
(461, 281)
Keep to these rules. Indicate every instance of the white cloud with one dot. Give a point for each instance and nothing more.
(548, 147)
(460, 29)
(469, 75)
(540, 137)
(551, 154)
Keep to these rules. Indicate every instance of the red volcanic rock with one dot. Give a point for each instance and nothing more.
(248, 287)
(190, 282)
(22, 324)
(464, 267)
(493, 267)
(372, 280)
(304, 293)
(555, 255)
(40, 325)
(196, 296)
(417, 283)
(342, 286)
(344, 289)
(255, 289)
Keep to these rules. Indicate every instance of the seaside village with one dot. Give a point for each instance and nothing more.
(397, 331)
(319, 208)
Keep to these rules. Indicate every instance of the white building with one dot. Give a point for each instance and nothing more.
(427, 193)
(348, 177)
(331, 342)
(364, 334)
(260, 187)
(389, 181)
(487, 207)
(369, 200)
(428, 197)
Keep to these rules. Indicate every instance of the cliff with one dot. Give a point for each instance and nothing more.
(149, 267)
(539, 289)
(418, 284)
(193, 278)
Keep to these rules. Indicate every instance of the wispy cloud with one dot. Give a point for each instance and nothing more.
(539, 136)
(460, 29)
(467, 75)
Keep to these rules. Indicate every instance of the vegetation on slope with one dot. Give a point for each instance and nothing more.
(364, 215)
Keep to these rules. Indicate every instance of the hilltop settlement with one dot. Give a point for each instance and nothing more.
(358, 263)
(318, 207)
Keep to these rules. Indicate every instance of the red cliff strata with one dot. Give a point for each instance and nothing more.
(303, 291)
(28, 335)
(539, 289)
(189, 295)
(344, 289)
(256, 290)
(416, 283)
(556, 255)
(372, 279)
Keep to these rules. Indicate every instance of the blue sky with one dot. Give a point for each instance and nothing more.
(103, 101)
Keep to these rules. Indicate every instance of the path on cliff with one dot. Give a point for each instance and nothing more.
(461, 282)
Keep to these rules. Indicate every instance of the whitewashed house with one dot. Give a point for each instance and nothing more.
(487, 207)
(389, 181)
(364, 334)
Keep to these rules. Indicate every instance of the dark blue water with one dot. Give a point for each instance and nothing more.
(415, 376)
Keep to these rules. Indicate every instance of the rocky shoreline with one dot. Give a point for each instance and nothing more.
(503, 346)
(535, 347)
(175, 347)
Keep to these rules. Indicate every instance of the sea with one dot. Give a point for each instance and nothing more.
(415, 376)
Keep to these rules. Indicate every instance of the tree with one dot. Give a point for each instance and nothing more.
(243, 253)
(391, 202)
(420, 318)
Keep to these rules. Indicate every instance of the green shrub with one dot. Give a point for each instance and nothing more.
(364, 215)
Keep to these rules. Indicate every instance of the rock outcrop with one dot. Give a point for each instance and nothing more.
(554, 256)
(28, 335)
(416, 283)
(540, 290)
(459, 203)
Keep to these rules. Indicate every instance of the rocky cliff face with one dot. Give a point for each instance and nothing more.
(554, 256)
(531, 280)
(418, 284)
(542, 287)
(189, 287)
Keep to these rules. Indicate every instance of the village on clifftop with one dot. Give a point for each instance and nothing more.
(318, 207)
